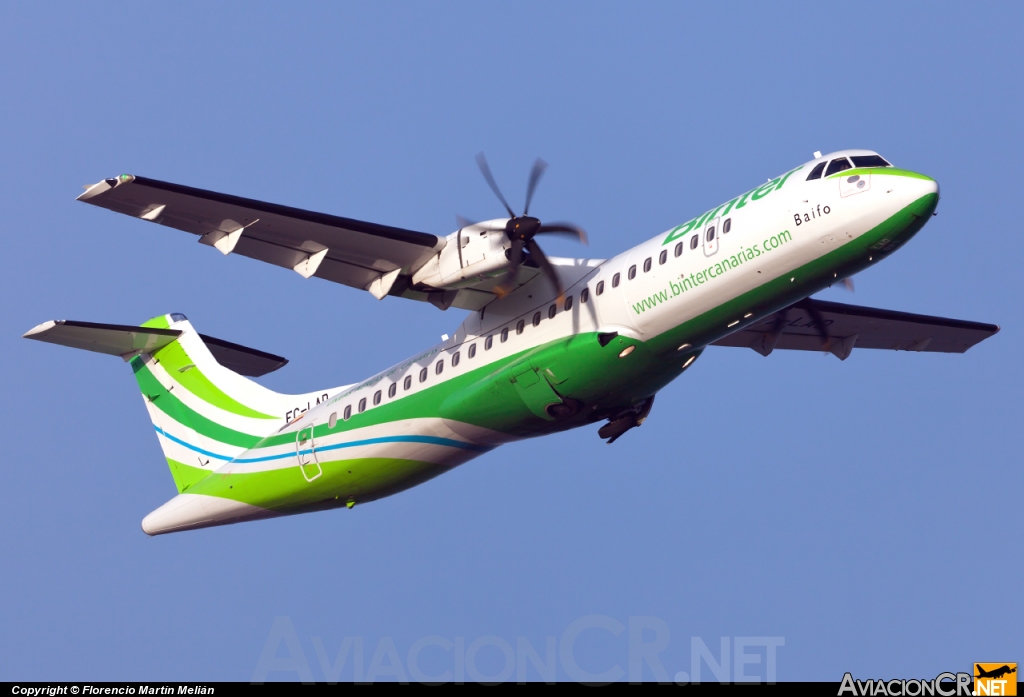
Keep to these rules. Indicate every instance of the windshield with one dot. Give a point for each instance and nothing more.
(869, 161)
(838, 165)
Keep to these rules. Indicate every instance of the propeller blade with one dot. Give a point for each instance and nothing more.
(563, 229)
(546, 268)
(515, 256)
(515, 260)
(481, 161)
(777, 327)
(819, 322)
(538, 169)
(848, 284)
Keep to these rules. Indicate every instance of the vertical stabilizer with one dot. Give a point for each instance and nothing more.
(204, 414)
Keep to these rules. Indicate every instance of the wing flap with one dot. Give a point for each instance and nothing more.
(854, 326)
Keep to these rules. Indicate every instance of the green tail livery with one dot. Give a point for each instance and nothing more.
(547, 344)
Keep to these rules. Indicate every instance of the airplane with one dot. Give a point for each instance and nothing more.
(995, 673)
(547, 344)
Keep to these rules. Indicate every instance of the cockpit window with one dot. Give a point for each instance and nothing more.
(869, 161)
(838, 165)
(816, 172)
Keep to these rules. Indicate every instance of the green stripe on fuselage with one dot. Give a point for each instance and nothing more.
(887, 171)
(358, 479)
(177, 364)
(173, 407)
(186, 476)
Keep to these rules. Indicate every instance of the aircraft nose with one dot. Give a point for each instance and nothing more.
(922, 185)
(920, 194)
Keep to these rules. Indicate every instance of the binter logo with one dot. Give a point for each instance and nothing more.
(995, 678)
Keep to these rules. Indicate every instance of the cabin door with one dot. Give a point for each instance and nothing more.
(710, 237)
(305, 453)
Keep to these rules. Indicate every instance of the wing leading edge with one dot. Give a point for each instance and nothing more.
(854, 326)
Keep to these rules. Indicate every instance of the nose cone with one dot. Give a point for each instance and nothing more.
(920, 195)
(190, 511)
(920, 186)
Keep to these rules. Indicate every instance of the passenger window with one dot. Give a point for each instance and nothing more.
(600, 287)
(838, 165)
(727, 225)
(568, 303)
(647, 264)
(439, 367)
(376, 398)
(520, 326)
(679, 249)
(663, 257)
(615, 281)
(536, 318)
(504, 334)
(455, 359)
(710, 235)
(472, 350)
(408, 382)
(816, 172)
(694, 241)
(333, 421)
(423, 375)
(552, 310)
(488, 342)
(392, 390)
(632, 272)
(347, 414)
(584, 296)
(869, 161)
(362, 405)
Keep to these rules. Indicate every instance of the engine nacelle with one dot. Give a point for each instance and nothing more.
(474, 253)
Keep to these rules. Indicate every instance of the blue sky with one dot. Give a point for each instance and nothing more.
(862, 511)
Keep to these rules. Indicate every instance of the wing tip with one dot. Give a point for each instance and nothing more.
(104, 185)
(35, 331)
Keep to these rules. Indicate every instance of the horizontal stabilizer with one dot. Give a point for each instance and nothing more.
(114, 339)
(243, 360)
(127, 341)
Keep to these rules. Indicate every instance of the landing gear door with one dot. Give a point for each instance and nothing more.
(710, 237)
(305, 453)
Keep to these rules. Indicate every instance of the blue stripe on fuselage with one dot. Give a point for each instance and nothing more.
(429, 440)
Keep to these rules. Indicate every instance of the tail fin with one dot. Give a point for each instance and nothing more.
(204, 413)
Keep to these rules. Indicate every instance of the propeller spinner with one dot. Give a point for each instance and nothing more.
(522, 229)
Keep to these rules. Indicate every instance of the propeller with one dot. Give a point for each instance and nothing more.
(522, 229)
(807, 305)
(782, 318)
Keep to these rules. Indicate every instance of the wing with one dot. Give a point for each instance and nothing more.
(363, 255)
(850, 326)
